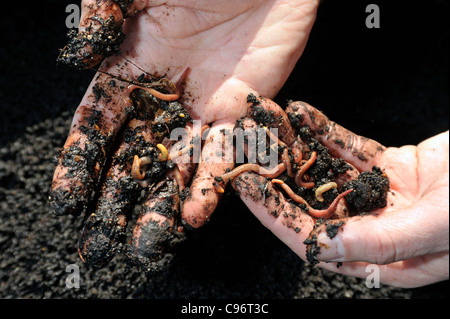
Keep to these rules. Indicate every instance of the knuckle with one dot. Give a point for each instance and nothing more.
(381, 248)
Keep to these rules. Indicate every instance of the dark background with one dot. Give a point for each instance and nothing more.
(389, 84)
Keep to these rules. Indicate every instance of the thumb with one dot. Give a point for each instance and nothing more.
(392, 236)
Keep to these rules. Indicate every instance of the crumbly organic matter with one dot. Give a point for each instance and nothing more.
(88, 48)
(369, 191)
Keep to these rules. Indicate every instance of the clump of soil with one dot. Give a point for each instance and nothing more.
(88, 48)
(164, 115)
(369, 191)
(171, 115)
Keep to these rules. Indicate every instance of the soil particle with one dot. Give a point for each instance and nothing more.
(99, 93)
(312, 246)
(324, 170)
(339, 142)
(164, 208)
(332, 228)
(185, 193)
(295, 118)
(63, 201)
(260, 115)
(164, 116)
(124, 5)
(312, 249)
(144, 106)
(251, 98)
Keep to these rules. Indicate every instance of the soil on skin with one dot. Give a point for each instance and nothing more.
(383, 86)
(88, 48)
(369, 189)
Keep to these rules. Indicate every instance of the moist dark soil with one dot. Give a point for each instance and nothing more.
(369, 192)
(389, 84)
(88, 48)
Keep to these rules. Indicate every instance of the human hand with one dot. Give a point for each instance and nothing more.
(233, 48)
(407, 239)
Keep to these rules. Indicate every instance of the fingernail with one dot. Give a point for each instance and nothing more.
(331, 249)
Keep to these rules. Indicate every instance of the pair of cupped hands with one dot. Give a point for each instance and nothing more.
(239, 47)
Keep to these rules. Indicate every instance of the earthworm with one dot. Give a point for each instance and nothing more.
(321, 189)
(181, 152)
(178, 179)
(139, 164)
(275, 172)
(163, 96)
(285, 154)
(297, 154)
(162, 82)
(164, 155)
(325, 213)
(136, 168)
(219, 189)
(298, 177)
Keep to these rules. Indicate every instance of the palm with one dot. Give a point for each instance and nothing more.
(409, 237)
(230, 49)
(416, 182)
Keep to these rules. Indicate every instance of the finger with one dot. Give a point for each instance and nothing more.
(153, 233)
(216, 159)
(357, 150)
(395, 235)
(283, 218)
(105, 228)
(325, 173)
(296, 228)
(184, 152)
(100, 32)
(94, 126)
(411, 273)
(266, 112)
(433, 150)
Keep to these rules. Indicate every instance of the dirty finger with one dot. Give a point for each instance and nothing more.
(283, 218)
(267, 113)
(79, 164)
(357, 150)
(153, 235)
(104, 230)
(100, 31)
